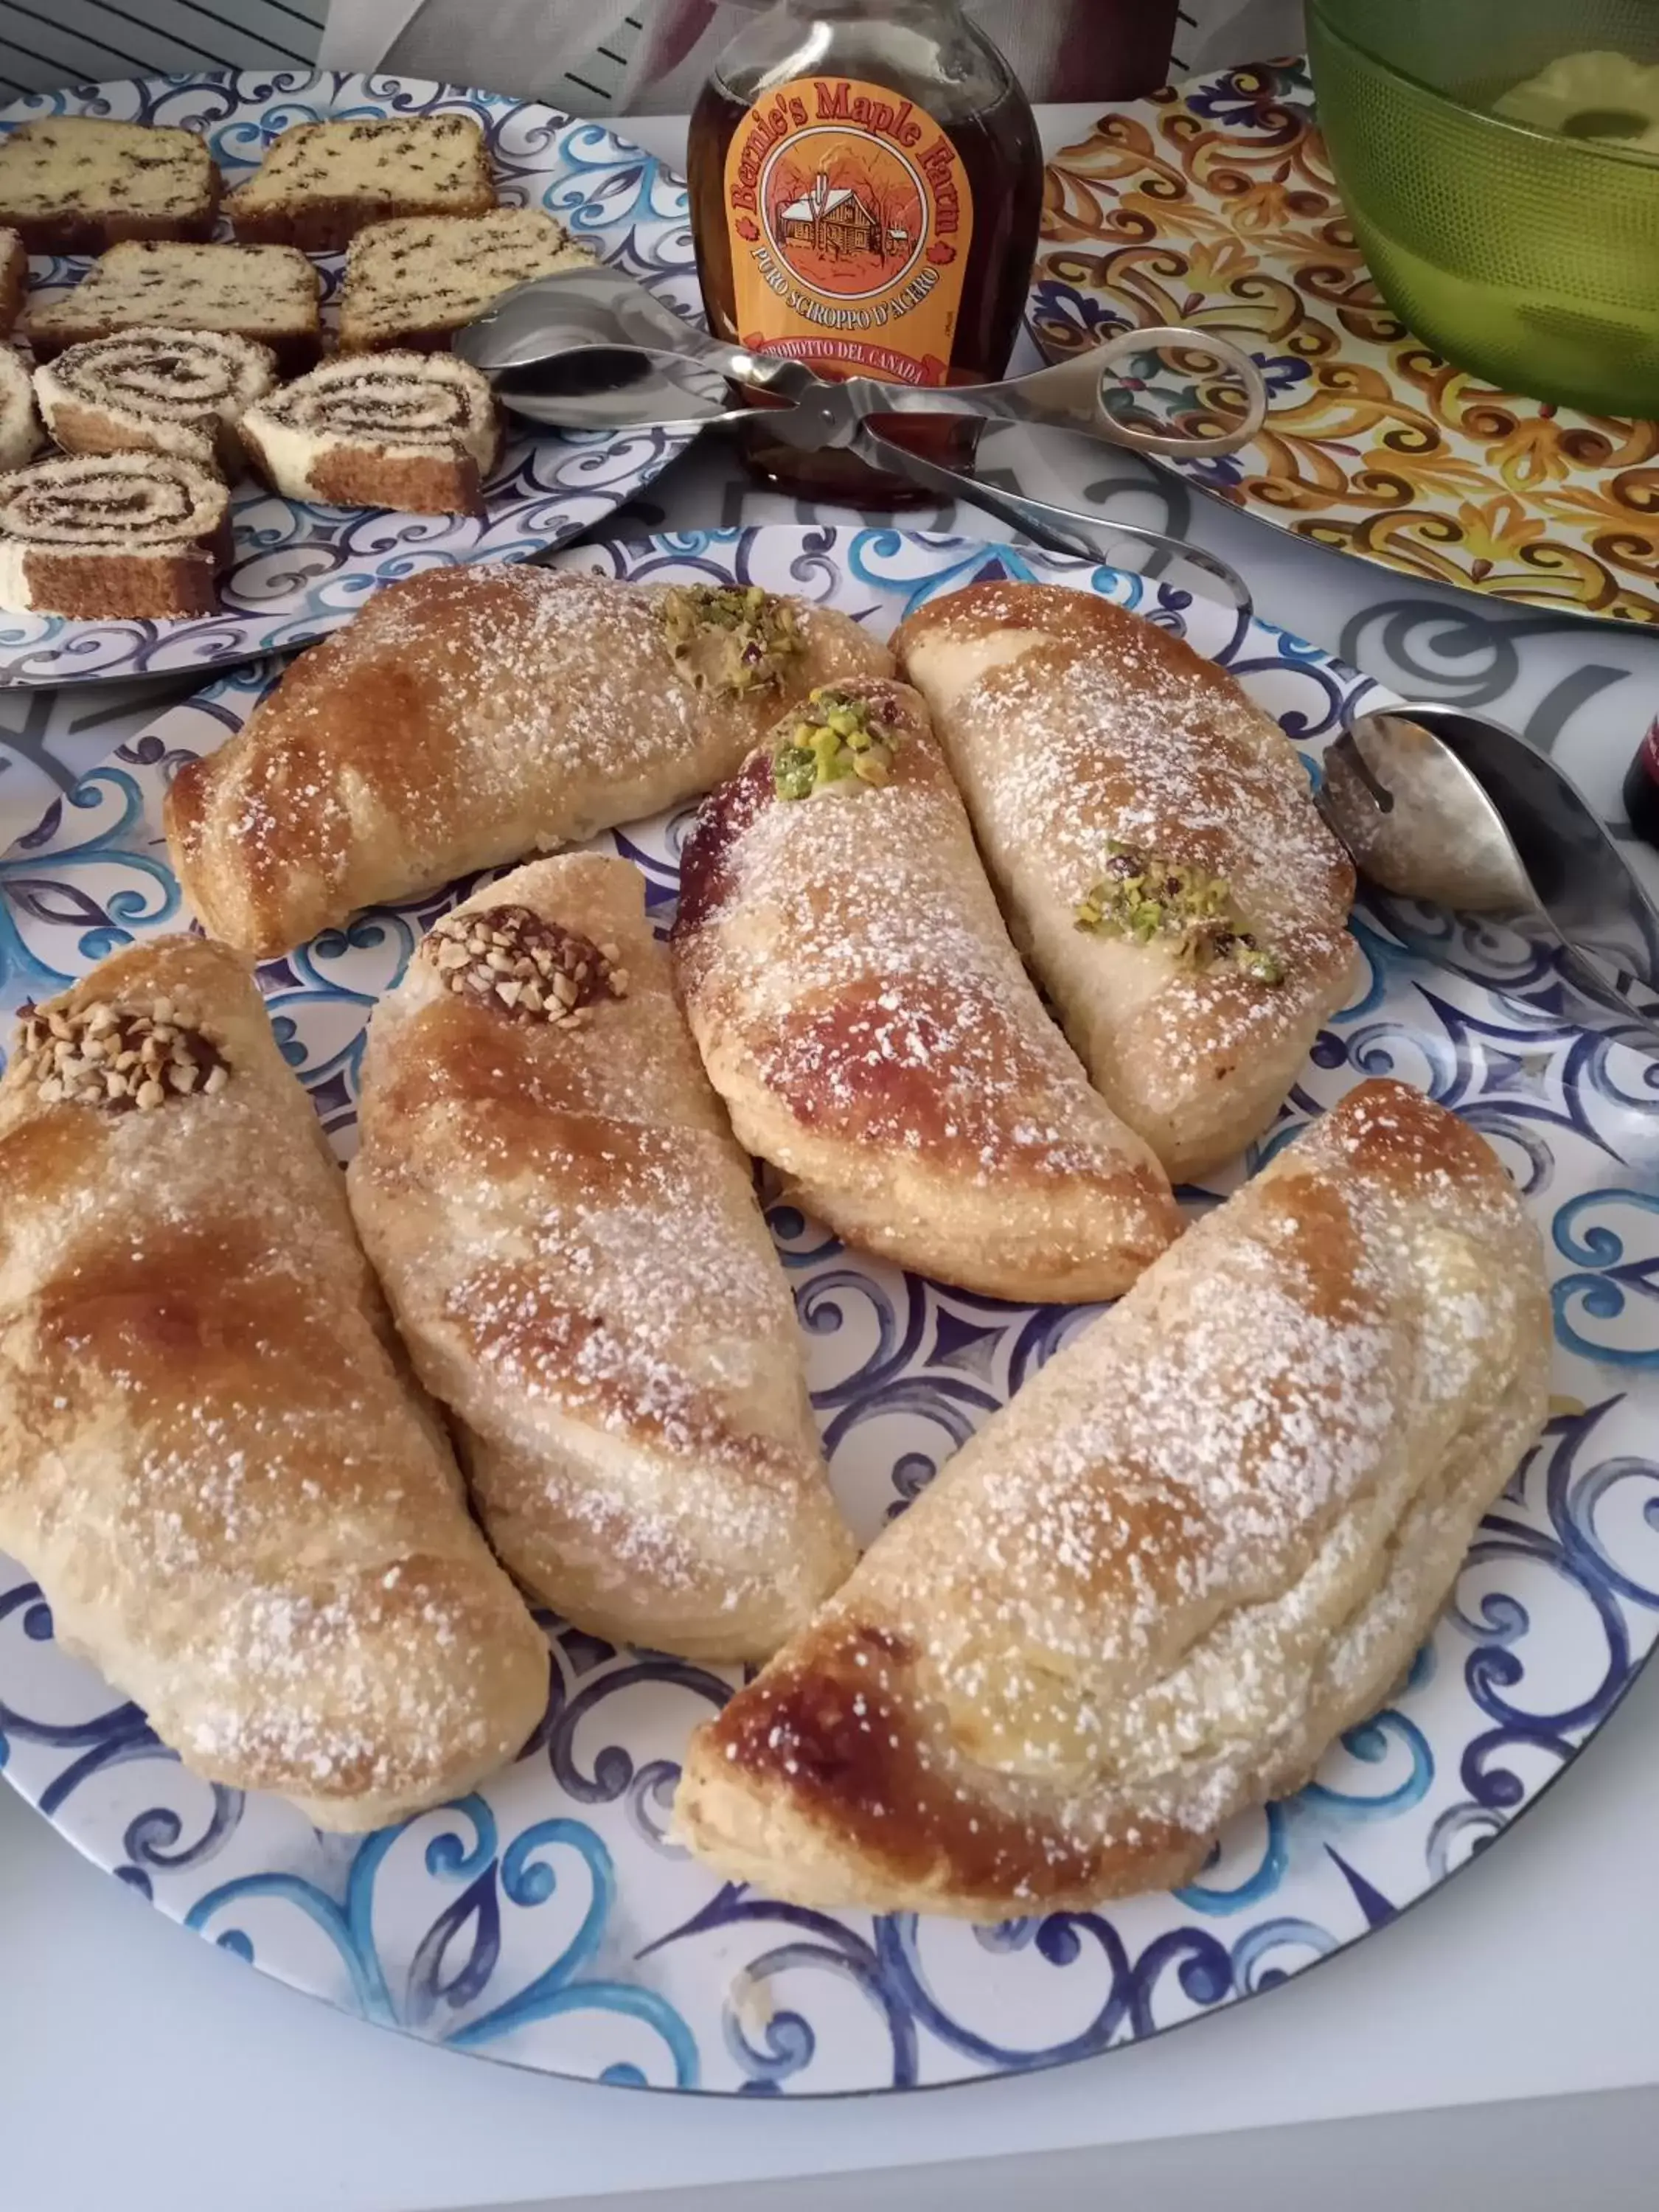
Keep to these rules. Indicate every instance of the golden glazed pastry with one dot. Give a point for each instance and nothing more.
(571, 1243)
(211, 1456)
(1203, 1541)
(469, 717)
(860, 1010)
(1157, 850)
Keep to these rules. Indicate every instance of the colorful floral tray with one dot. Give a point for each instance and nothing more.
(300, 570)
(545, 1919)
(1213, 203)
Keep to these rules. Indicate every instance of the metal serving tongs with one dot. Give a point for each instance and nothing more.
(591, 349)
(1442, 808)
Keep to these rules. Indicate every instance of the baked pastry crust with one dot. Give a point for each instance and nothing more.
(571, 1243)
(1084, 738)
(860, 1010)
(211, 1455)
(1207, 1538)
(466, 718)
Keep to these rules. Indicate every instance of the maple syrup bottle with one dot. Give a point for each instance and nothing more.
(866, 182)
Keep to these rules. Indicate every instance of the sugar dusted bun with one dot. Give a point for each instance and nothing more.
(154, 390)
(409, 430)
(1207, 1538)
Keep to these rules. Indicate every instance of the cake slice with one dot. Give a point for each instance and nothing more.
(150, 390)
(74, 184)
(267, 294)
(14, 277)
(319, 183)
(417, 281)
(112, 536)
(20, 430)
(417, 431)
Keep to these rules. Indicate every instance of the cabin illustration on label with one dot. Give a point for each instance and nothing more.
(834, 220)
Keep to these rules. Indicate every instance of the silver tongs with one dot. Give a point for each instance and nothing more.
(592, 349)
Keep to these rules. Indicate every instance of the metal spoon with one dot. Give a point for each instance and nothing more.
(1447, 808)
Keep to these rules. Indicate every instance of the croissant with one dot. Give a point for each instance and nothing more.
(572, 1245)
(211, 1457)
(1157, 850)
(469, 717)
(861, 1011)
(1204, 1539)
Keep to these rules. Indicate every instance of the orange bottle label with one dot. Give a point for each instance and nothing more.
(851, 218)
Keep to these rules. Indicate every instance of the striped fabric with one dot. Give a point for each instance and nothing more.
(44, 43)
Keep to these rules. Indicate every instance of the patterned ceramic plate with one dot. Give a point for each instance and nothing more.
(1213, 202)
(544, 1920)
(299, 570)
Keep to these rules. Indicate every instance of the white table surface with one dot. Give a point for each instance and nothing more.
(141, 2069)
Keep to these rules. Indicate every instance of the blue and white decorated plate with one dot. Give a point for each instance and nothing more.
(298, 570)
(544, 1920)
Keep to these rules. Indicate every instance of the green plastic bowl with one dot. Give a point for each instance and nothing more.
(1527, 255)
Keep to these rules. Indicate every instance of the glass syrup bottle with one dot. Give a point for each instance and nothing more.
(866, 182)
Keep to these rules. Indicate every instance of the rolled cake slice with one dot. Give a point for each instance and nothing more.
(1154, 842)
(1204, 1539)
(571, 1242)
(861, 1011)
(150, 390)
(470, 716)
(411, 430)
(111, 536)
(19, 426)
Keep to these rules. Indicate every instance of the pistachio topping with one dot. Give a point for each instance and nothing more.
(508, 958)
(729, 638)
(833, 738)
(117, 1058)
(1146, 898)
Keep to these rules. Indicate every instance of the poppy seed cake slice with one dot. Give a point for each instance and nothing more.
(74, 184)
(319, 183)
(416, 282)
(267, 294)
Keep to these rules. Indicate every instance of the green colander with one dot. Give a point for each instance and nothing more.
(1494, 157)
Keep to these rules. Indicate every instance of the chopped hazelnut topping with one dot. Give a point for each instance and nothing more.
(114, 1057)
(509, 959)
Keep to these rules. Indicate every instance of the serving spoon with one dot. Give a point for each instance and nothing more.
(1446, 808)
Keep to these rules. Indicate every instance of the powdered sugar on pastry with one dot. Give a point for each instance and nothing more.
(1151, 1590)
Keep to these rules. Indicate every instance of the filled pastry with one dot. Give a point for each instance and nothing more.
(468, 717)
(1154, 842)
(211, 1455)
(862, 1012)
(1207, 1538)
(572, 1245)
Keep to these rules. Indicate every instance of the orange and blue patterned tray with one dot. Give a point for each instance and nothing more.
(1213, 203)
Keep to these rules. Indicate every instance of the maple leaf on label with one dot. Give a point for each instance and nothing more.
(745, 229)
(941, 255)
